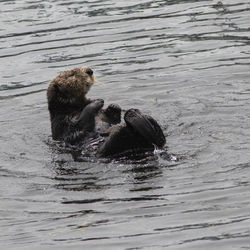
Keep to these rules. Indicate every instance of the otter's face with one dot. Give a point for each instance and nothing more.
(71, 86)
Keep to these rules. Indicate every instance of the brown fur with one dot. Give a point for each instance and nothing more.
(74, 83)
(74, 118)
(66, 96)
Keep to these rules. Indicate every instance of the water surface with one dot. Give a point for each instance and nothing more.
(186, 63)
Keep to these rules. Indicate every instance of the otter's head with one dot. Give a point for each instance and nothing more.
(71, 87)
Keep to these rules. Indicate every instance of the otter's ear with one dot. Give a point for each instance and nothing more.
(70, 73)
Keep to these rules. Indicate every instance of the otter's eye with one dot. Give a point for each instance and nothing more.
(89, 71)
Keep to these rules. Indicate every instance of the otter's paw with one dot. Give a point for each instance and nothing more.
(86, 120)
(113, 113)
(95, 105)
(146, 126)
(113, 108)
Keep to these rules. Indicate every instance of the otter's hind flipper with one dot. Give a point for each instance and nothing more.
(122, 139)
(139, 134)
(146, 126)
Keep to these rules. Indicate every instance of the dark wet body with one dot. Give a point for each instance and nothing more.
(77, 120)
(139, 133)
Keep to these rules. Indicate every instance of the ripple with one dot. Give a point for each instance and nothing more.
(186, 63)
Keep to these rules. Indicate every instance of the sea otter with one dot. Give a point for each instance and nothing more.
(76, 119)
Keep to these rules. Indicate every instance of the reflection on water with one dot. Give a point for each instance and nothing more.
(184, 62)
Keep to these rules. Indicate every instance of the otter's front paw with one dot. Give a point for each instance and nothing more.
(86, 119)
(95, 105)
(113, 109)
(113, 113)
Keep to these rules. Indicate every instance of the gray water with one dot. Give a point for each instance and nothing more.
(186, 63)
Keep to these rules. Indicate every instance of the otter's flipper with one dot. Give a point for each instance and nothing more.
(146, 126)
(86, 120)
(140, 133)
(120, 140)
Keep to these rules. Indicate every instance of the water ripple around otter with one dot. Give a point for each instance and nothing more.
(186, 63)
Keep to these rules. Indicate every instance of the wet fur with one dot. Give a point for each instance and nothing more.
(66, 96)
(74, 117)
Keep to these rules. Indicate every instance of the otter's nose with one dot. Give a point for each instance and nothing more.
(89, 71)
